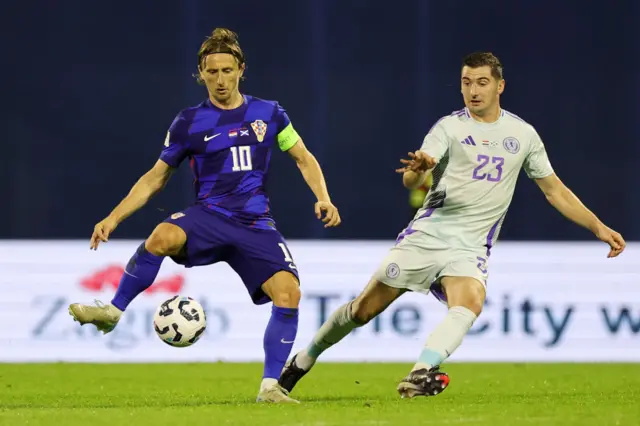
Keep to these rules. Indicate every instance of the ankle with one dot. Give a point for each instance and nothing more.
(304, 360)
(421, 365)
(268, 382)
(114, 310)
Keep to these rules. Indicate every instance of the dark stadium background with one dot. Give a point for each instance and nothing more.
(89, 89)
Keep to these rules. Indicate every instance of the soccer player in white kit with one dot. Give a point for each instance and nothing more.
(475, 156)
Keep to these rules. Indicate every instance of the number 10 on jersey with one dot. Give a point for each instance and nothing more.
(241, 158)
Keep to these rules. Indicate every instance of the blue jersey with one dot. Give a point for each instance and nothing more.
(229, 153)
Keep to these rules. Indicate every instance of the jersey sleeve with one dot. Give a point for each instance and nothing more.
(175, 144)
(435, 142)
(536, 163)
(287, 135)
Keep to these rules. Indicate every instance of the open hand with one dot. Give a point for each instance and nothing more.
(418, 162)
(331, 215)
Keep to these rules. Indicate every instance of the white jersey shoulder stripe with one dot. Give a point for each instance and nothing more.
(453, 114)
(510, 114)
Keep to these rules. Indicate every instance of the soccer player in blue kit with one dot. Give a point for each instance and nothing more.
(228, 140)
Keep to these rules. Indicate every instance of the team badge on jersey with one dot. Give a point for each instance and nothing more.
(260, 128)
(511, 144)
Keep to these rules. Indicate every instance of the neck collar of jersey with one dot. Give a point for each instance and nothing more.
(244, 103)
(481, 123)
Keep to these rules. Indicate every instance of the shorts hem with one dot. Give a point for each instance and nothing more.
(481, 281)
(400, 285)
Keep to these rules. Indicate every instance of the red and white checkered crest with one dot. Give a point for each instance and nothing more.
(260, 128)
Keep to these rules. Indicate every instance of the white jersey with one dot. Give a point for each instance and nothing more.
(474, 181)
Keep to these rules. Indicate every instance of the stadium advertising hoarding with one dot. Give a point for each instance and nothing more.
(546, 302)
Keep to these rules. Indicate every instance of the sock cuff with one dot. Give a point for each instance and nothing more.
(349, 316)
(287, 313)
(140, 257)
(145, 254)
(116, 304)
(463, 312)
(347, 311)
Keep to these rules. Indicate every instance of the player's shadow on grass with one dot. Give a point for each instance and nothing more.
(240, 401)
(350, 399)
(136, 404)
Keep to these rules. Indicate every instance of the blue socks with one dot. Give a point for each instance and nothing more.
(279, 336)
(278, 340)
(140, 273)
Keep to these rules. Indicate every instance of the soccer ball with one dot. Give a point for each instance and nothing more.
(180, 321)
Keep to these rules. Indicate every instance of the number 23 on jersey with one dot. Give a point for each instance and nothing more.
(484, 169)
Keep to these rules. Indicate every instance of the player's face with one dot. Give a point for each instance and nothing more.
(481, 91)
(221, 75)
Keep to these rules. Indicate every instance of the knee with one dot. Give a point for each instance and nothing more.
(284, 291)
(362, 310)
(474, 304)
(469, 293)
(166, 240)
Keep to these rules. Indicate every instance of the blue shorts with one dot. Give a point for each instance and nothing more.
(255, 254)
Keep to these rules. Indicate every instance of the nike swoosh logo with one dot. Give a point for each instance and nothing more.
(131, 275)
(285, 341)
(208, 138)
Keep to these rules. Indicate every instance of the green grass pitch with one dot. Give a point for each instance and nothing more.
(332, 394)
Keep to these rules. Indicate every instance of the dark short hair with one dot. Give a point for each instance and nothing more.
(482, 59)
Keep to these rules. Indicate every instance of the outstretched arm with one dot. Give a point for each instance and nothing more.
(566, 202)
(312, 173)
(142, 191)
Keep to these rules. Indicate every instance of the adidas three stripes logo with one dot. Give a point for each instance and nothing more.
(468, 140)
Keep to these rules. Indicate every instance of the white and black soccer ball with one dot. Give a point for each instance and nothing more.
(180, 321)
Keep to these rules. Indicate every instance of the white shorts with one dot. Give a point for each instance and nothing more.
(411, 264)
